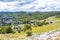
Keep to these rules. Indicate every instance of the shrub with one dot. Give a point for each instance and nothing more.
(39, 23)
(29, 33)
(51, 22)
(47, 23)
(9, 30)
(27, 26)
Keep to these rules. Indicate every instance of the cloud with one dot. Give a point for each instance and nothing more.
(29, 5)
(8, 6)
(7, 0)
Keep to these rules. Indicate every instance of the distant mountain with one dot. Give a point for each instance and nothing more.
(14, 12)
(28, 12)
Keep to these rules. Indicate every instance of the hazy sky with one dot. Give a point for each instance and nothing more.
(29, 5)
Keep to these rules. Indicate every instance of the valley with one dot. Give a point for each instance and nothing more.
(30, 26)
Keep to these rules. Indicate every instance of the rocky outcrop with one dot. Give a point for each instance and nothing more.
(52, 35)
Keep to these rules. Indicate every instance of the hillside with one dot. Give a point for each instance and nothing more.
(45, 32)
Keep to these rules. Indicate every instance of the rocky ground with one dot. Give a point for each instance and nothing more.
(51, 35)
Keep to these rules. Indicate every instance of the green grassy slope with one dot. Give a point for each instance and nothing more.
(45, 28)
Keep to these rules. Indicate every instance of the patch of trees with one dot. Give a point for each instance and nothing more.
(6, 29)
(42, 23)
(35, 15)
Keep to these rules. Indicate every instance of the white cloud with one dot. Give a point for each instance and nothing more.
(6, 6)
(30, 5)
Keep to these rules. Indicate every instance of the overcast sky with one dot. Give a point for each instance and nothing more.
(29, 5)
